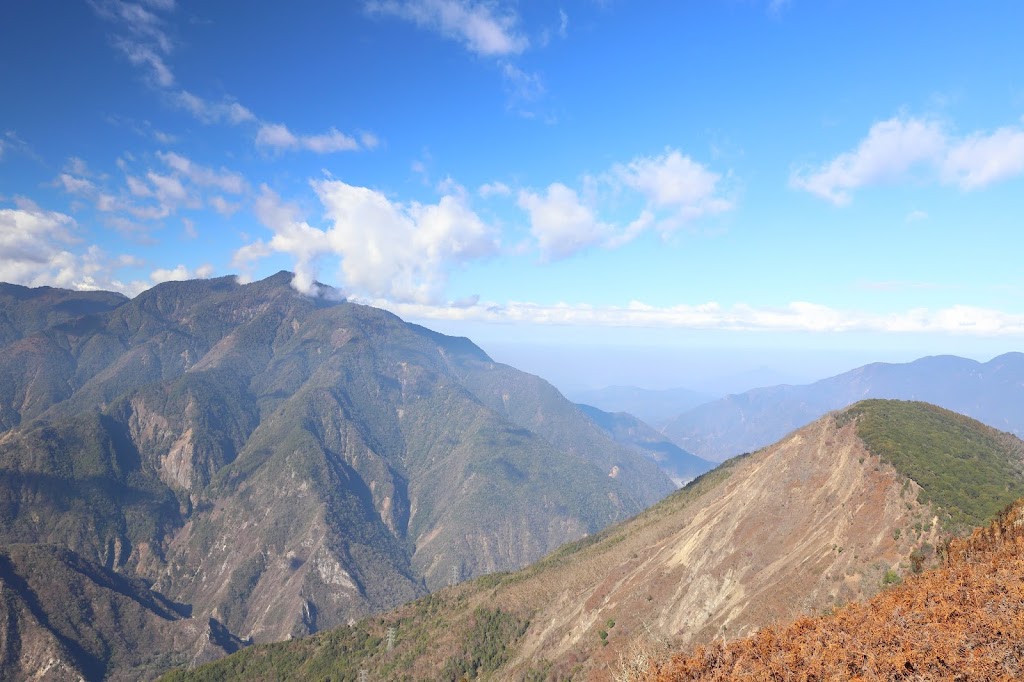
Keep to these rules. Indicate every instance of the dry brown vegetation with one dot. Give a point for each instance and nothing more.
(962, 621)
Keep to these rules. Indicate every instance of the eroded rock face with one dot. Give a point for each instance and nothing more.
(803, 525)
(283, 464)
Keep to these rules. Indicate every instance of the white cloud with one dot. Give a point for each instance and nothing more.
(180, 273)
(224, 180)
(895, 148)
(669, 191)
(981, 159)
(76, 185)
(331, 141)
(887, 154)
(170, 192)
(276, 135)
(36, 249)
(137, 187)
(223, 206)
(560, 223)
(916, 215)
(33, 244)
(190, 228)
(77, 166)
(369, 140)
(226, 111)
(794, 317)
(143, 55)
(479, 26)
(494, 189)
(141, 37)
(675, 182)
(279, 137)
(399, 251)
(524, 89)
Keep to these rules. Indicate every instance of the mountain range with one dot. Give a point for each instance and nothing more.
(213, 463)
(652, 406)
(681, 466)
(831, 514)
(991, 392)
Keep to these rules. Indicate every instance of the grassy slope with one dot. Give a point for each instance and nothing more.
(962, 621)
(965, 468)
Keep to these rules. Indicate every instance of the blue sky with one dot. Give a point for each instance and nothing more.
(733, 184)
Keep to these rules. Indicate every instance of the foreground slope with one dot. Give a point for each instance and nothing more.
(962, 621)
(280, 464)
(990, 392)
(819, 519)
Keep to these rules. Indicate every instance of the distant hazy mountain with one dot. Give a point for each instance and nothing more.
(652, 407)
(273, 463)
(992, 392)
(832, 513)
(681, 466)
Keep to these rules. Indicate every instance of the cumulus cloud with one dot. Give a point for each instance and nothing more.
(277, 136)
(560, 223)
(906, 147)
(675, 182)
(479, 26)
(669, 190)
(388, 249)
(37, 248)
(794, 317)
(180, 273)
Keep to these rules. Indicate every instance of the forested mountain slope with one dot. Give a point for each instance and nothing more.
(281, 464)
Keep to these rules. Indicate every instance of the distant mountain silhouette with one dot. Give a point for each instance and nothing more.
(652, 407)
(991, 392)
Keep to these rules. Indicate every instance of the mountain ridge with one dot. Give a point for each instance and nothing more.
(815, 520)
(747, 421)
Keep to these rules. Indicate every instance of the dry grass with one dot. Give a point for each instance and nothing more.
(962, 621)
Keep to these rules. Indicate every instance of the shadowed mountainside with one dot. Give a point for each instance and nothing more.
(681, 466)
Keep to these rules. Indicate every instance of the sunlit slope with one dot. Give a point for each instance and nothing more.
(963, 621)
(812, 522)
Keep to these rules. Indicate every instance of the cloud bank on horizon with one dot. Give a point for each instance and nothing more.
(633, 166)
